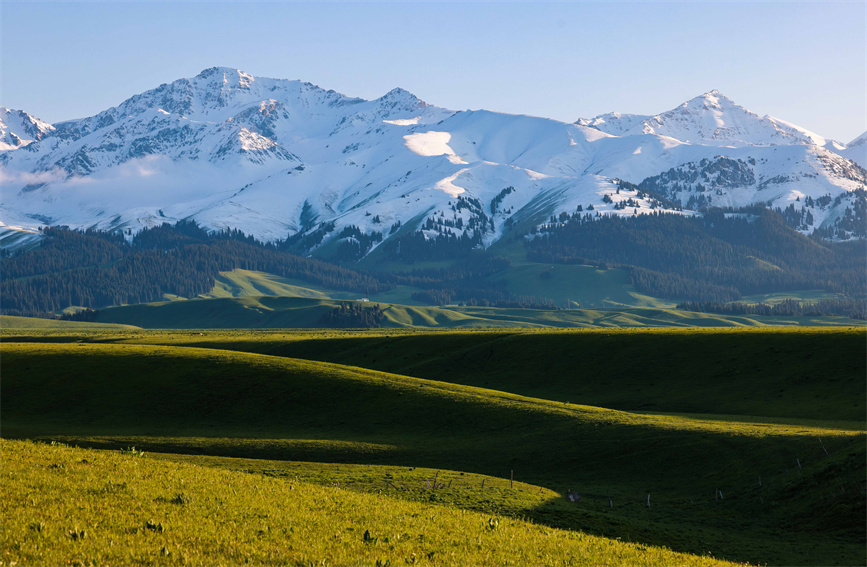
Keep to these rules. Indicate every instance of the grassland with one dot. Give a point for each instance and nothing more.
(797, 373)
(787, 454)
(578, 286)
(281, 312)
(74, 506)
(31, 323)
(245, 299)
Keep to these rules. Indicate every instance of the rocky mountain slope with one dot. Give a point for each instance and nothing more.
(17, 129)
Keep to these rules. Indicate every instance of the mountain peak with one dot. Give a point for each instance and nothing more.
(711, 99)
(714, 93)
(227, 76)
(18, 128)
(216, 71)
(398, 93)
(401, 98)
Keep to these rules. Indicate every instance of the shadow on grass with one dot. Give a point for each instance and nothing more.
(791, 519)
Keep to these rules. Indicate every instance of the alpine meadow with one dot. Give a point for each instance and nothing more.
(256, 321)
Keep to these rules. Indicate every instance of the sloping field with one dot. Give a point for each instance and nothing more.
(579, 286)
(236, 404)
(62, 505)
(813, 374)
(12, 322)
(247, 283)
(249, 312)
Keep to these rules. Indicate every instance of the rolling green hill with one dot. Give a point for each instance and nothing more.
(230, 403)
(246, 312)
(68, 505)
(576, 285)
(244, 283)
(769, 372)
(12, 322)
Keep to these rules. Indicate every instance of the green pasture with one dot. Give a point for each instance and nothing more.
(785, 373)
(595, 297)
(245, 283)
(74, 506)
(31, 323)
(212, 402)
(283, 312)
(576, 285)
(812, 295)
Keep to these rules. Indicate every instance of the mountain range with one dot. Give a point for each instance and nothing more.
(278, 158)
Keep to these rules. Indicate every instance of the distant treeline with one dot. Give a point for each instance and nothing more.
(483, 297)
(354, 315)
(96, 269)
(852, 308)
(718, 256)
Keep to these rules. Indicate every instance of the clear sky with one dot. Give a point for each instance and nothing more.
(804, 62)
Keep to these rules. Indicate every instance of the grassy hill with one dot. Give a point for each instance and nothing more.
(218, 402)
(575, 285)
(246, 312)
(12, 322)
(244, 283)
(787, 373)
(169, 513)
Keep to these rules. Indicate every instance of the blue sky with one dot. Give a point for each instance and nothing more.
(805, 62)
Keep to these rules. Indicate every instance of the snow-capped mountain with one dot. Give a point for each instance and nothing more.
(278, 158)
(17, 129)
(709, 119)
(856, 150)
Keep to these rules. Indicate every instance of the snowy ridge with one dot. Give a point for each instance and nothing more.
(278, 158)
(709, 119)
(18, 129)
(856, 150)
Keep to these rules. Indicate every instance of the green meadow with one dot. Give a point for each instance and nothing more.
(305, 312)
(74, 506)
(746, 445)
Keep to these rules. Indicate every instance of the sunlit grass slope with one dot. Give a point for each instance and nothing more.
(248, 283)
(215, 402)
(580, 286)
(781, 373)
(297, 409)
(12, 322)
(244, 283)
(566, 284)
(76, 506)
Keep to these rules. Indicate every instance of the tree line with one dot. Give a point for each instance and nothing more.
(354, 315)
(718, 256)
(93, 269)
(852, 308)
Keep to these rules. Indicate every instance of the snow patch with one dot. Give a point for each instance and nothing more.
(447, 185)
(404, 121)
(432, 143)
